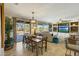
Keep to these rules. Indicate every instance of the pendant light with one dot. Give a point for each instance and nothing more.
(33, 19)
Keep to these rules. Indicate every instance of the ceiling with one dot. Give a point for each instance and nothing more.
(48, 12)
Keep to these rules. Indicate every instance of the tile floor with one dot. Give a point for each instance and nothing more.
(21, 50)
(1, 52)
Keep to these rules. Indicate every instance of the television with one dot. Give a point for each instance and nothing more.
(64, 29)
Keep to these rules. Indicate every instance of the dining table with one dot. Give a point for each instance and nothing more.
(37, 40)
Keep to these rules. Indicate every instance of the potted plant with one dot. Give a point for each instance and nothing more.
(8, 28)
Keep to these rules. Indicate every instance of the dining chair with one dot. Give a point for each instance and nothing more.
(43, 44)
(71, 46)
(30, 43)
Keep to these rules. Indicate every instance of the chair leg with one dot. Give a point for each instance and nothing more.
(36, 49)
(70, 52)
(74, 53)
(78, 53)
(42, 48)
(42, 51)
(45, 46)
(66, 52)
(32, 49)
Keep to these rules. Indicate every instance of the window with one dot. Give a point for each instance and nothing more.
(27, 28)
(42, 27)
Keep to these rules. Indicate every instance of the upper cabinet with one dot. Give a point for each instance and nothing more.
(74, 27)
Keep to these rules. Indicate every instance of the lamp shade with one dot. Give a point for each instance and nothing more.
(33, 21)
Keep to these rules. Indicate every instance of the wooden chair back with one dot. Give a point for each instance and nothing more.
(71, 41)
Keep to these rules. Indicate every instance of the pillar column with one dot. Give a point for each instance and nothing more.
(2, 26)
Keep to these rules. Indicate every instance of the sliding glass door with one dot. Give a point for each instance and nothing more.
(21, 29)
